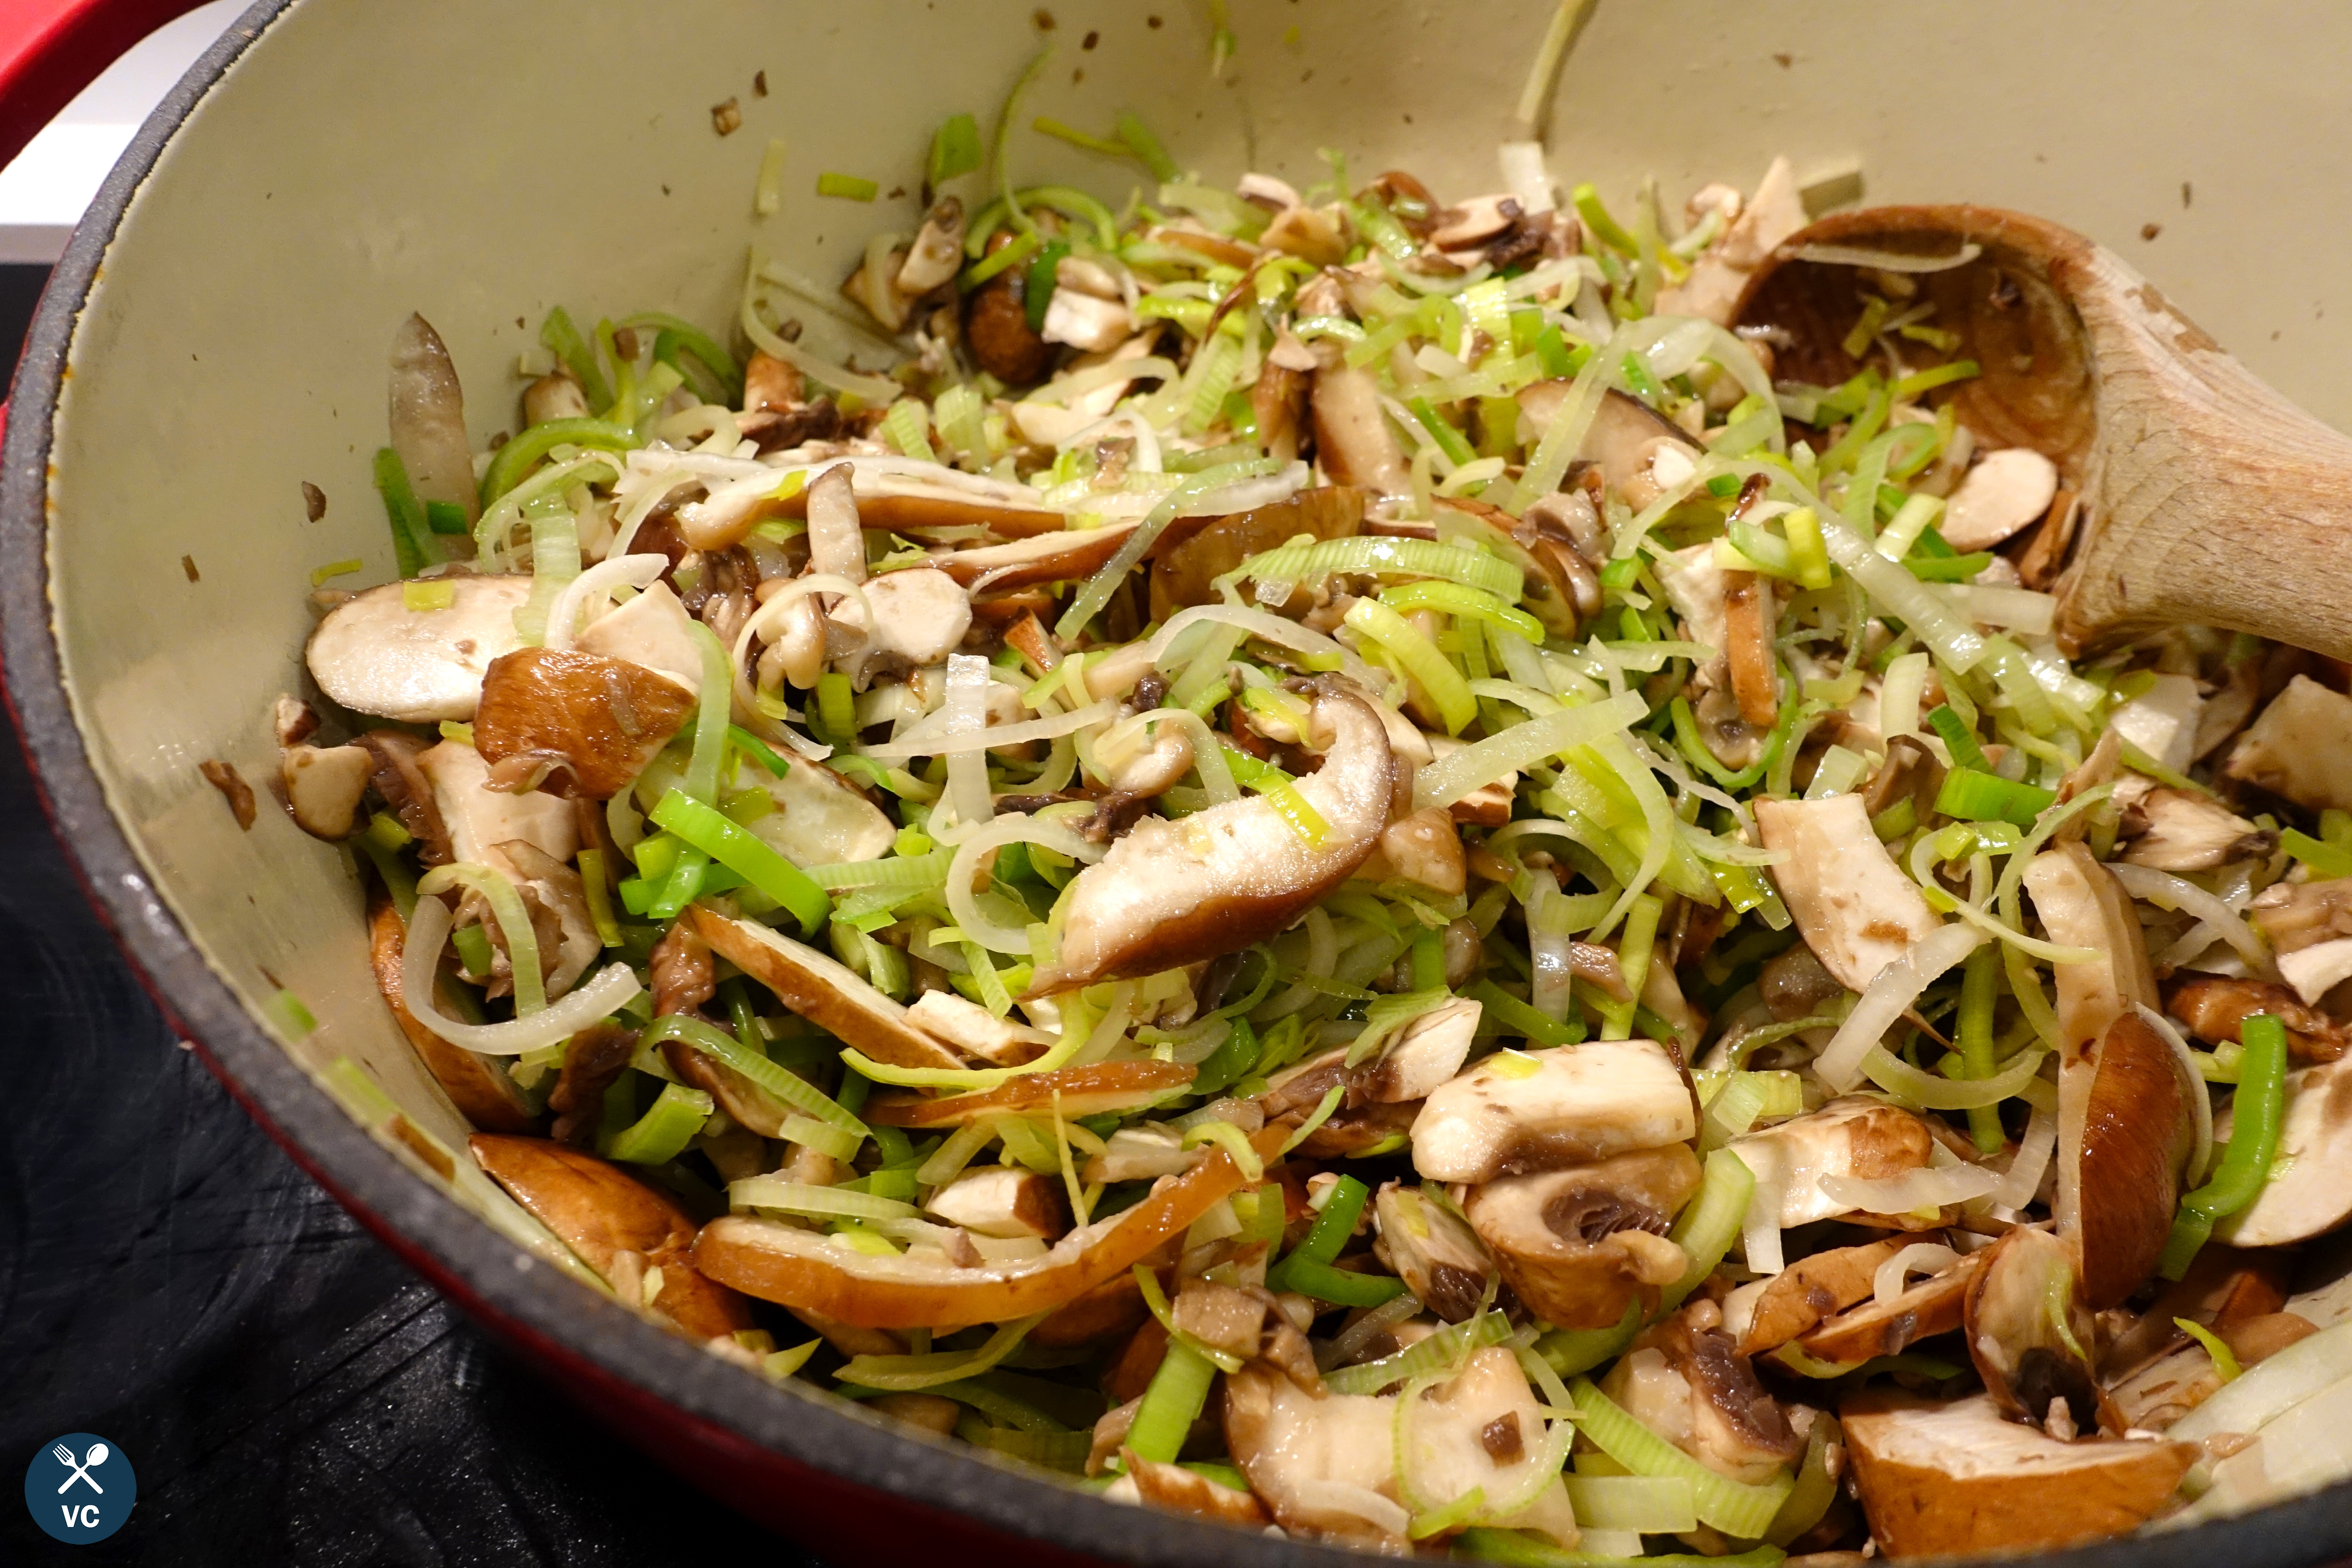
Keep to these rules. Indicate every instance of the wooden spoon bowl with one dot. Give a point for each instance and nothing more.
(2207, 498)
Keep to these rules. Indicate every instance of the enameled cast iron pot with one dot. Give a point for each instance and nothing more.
(217, 335)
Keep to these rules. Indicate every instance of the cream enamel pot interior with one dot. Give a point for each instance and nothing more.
(216, 336)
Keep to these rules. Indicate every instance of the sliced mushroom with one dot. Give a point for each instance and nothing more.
(651, 630)
(478, 1086)
(937, 253)
(1083, 322)
(405, 789)
(920, 615)
(1933, 1306)
(2175, 830)
(2163, 720)
(1004, 1201)
(1081, 1091)
(822, 990)
(1278, 398)
(1793, 985)
(2310, 1188)
(1424, 1055)
(2223, 1287)
(1175, 1490)
(1160, 762)
(1693, 585)
(1800, 1298)
(1353, 442)
(2214, 1008)
(1171, 893)
(1684, 1381)
(806, 1271)
(1579, 1104)
(2309, 925)
(1940, 1480)
(1856, 1137)
(2301, 747)
(1222, 1317)
(1581, 1245)
(2031, 1336)
(821, 820)
(1185, 574)
(1858, 910)
(619, 1227)
(1719, 274)
(2082, 905)
(555, 396)
(428, 418)
(969, 1027)
(599, 720)
(480, 819)
(375, 654)
(1424, 848)
(1628, 440)
(996, 327)
(1439, 1258)
(2007, 489)
(2127, 1128)
(324, 786)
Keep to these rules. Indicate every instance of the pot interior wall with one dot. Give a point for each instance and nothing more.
(481, 162)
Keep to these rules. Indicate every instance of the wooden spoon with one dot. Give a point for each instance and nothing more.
(2208, 498)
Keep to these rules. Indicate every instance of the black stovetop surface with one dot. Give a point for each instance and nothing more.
(286, 1390)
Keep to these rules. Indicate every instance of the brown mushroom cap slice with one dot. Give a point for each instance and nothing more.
(1352, 438)
(1619, 441)
(1684, 1381)
(804, 1271)
(1581, 1104)
(1796, 1300)
(2184, 831)
(1942, 1480)
(1084, 1091)
(2120, 1165)
(827, 993)
(2301, 747)
(1581, 1245)
(1183, 575)
(375, 654)
(1171, 893)
(1859, 912)
(600, 718)
(2310, 1190)
(1856, 1137)
(1175, 1490)
(478, 1086)
(603, 1214)
(1439, 1258)
(2031, 1334)
(1935, 1305)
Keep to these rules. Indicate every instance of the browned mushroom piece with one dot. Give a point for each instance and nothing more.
(2031, 1336)
(477, 1084)
(2309, 925)
(1579, 1245)
(401, 781)
(1638, 451)
(821, 989)
(2122, 1154)
(324, 786)
(996, 327)
(1911, 771)
(1439, 1258)
(1279, 400)
(555, 396)
(1941, 1479)
(1933, 1306)
(620, 1227)
(1171, 893)
(583, 721)
(1800, 1298)
(804, 1271)
(1176, 1490)
(2178, 830)
(1684, 1379)
(1856, 1139)
(1183, 575)
(2214, 1007)
(1083, 1091)
(1555, 588)
(2223, 1286)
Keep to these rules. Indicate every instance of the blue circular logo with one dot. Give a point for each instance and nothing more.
(80, 1488)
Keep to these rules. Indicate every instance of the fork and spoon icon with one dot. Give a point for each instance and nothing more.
(81, 1467)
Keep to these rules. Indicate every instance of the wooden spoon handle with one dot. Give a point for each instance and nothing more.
(2211, 499)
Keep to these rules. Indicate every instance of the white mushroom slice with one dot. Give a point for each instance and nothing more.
(324, 786)
(1312, 234)
(2315, 971)
(375, 654)
(1940, 1480)
(1437, 1256)
(652, 629)
(837, 540)
(555, 396)
(1483, 1430)
(1053, 423)
(1473, 222)
(938, 250)
(969, 1027)
(1693, 585)
(920, 615)
(2310, 1189)
(1004, 1201)
(1717, 278)
(1353, 442)
(819, 820)
(2082, 905)
(1157, 756)
(1623, 441)
(480, 818)
(826, 992)
(428, 418)
(1267, 191)
(1581, 1245)
(1856, 907)
(1083, 321)
(2162, 721)
(2177, 830)
(1683, 1381)
(1425, 1053)
(2007, 489)
(1171, 893)
(2301, 747)
(1578, 1104)
(1858, 1139)
(1141, 1153)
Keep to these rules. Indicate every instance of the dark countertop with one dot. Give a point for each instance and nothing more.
(287, 1390)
